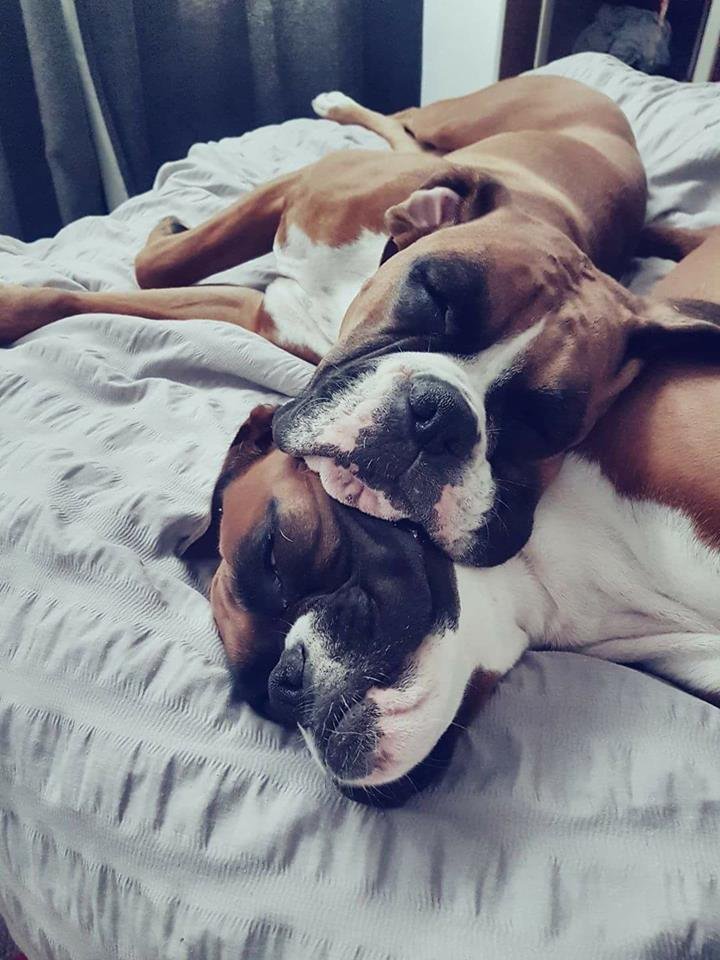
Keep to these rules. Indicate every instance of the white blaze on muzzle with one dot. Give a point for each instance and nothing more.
(335, 425)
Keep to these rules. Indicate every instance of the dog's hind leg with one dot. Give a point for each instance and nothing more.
(343, 109)
(176, 257)
(696, 276)
(659, 239)
(25, 309)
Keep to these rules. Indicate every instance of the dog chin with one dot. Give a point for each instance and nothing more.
(343, 485)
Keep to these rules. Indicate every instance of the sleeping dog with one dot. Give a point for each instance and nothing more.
(370, 639)
(487, 343)
(489, 340)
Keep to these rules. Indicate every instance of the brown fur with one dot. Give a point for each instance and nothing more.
(660, 441)
(564, 153)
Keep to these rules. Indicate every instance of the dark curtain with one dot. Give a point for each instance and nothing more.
(172, 72)
(49, 172)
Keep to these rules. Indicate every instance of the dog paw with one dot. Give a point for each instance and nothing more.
(149, 260)
(327, 104)
(167, 227)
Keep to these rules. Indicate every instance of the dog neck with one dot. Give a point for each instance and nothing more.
(501, 610)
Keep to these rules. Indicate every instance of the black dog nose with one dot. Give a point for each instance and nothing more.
(285, 684)
(442, 419)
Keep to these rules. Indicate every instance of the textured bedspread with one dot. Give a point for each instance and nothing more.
(143, 817)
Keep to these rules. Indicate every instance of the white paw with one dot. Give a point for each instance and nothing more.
(325, 103)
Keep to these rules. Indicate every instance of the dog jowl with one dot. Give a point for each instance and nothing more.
(464, 365)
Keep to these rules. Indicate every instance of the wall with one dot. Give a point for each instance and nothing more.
(461, 46)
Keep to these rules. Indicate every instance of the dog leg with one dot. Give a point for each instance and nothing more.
(670, 243)
(696, 277)
(175, 256)
(343, 109)
(25, 309)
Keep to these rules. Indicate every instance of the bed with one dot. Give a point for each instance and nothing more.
(144, 816)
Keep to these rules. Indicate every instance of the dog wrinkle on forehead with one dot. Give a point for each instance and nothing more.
(245, 506)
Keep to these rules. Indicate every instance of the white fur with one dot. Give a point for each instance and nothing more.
(338, 421)
(615, 578)
(317, 284)
(628, 580)
(325, 103)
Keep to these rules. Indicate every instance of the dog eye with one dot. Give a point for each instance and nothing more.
(272, 563)
(452, 324)
(277, 579)
(537, 422)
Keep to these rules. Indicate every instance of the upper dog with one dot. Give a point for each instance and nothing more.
(490, 338)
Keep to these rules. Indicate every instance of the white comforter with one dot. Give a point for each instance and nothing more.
(141, 816)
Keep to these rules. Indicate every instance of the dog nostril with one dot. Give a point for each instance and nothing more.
(286, 680)
(287, 694)
(440, 418)
(292, 667)
(424, 407)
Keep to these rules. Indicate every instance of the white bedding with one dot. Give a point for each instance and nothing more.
(141, 816)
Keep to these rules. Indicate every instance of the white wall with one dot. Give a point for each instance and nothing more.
(709, 44)
(461, 46)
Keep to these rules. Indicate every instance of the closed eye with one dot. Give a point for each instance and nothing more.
(536, 422)
(453, 321)
(448, 298)
(278, 584)
(259, 570)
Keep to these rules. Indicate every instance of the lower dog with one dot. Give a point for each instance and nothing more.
(369, 639)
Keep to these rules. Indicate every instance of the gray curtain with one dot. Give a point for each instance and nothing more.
(49, 172)
(171, 72)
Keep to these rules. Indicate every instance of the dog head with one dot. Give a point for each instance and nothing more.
(485, 345)
(343, 624)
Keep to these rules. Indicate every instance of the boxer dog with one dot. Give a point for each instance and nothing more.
(361, 631)
(370, 639)
(490, 338)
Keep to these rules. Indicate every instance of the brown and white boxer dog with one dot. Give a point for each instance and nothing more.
(488, 340)
(370, 639)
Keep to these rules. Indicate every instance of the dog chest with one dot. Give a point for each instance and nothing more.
(325, 279)
(618, 569)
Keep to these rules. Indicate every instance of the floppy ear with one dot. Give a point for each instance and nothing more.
(553, 401)
(253, 439)
(686, 329)
(447, 199)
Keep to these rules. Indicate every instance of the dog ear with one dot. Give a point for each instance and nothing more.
(687, 329)
(594, 345)
(445, 200)
(253, 440)
(683, 330)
